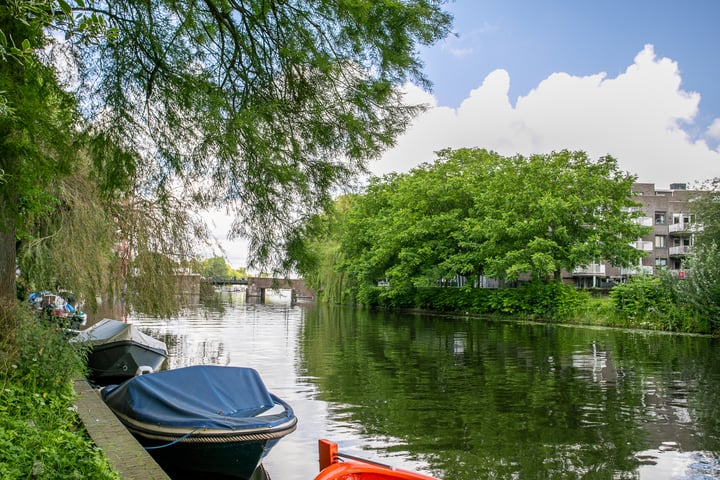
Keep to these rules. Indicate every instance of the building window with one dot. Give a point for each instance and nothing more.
(660, 241)
(681, 242)
(661, 262)
(659, 218)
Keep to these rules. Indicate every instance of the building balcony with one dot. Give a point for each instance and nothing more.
(645, 246)
(679, 251)
(685, 228)
(637, 270)
(681, 273)
(592, 269)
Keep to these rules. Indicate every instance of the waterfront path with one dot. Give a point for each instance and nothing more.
(125, 454)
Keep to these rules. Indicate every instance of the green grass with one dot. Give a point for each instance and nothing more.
(41, 436)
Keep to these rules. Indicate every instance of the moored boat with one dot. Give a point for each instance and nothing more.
(119, 350)
(204, 421)
(339, 466)
(63, 310)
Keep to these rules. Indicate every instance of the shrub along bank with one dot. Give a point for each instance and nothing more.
(645, 302)
(41, 436)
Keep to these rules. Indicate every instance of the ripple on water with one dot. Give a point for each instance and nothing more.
(669, 462)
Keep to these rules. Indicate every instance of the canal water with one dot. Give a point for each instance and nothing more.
(465, 398)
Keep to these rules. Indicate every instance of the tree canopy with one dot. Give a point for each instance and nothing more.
(701, 289)
(474, 212)
(261, 107)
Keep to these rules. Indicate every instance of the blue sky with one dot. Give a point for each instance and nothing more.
(635, 79)
(533, 39)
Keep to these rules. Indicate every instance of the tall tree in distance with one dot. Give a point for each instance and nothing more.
(262, 107)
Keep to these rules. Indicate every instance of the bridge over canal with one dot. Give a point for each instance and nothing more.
(257, 286)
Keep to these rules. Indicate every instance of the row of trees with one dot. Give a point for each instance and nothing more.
(217, 268)
(477, 214)
(474, 212)
(120, 118)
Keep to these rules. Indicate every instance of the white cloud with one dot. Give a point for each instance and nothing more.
(713, 130)
(636, 117)
(233, 251)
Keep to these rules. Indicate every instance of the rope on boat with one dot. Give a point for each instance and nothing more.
(219, 438)
(174, 442)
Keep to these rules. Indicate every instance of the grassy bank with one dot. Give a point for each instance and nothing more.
(41, 436)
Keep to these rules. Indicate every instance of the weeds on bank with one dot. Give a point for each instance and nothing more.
(41, 436)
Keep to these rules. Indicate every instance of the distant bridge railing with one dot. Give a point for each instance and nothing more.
(228, 281)
(256, 286)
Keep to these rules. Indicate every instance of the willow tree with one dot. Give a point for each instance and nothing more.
(37, 135)
(261, 107)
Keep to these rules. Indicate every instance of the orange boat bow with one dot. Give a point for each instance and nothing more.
(333, 469)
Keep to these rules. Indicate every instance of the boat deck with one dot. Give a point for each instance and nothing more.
(125, 454)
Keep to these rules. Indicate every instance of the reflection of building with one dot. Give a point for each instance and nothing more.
(670, 241)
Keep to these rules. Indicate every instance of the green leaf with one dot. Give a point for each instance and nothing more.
(65, 7)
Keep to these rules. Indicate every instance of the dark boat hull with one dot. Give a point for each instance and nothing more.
(114, 362)
(201, 452)
(230, 460)
(118, 349)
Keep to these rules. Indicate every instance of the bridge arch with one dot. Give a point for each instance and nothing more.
(257, 286)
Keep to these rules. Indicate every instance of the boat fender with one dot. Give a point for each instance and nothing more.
(143, 369)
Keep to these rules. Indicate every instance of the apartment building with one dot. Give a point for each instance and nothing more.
(673, 224)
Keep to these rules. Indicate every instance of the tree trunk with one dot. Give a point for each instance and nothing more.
(7, 255)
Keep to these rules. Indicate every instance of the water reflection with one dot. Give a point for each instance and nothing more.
(465, 398)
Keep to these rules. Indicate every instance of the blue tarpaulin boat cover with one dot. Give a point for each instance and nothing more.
(207, 396)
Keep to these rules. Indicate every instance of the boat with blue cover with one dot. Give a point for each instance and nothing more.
(203, 421)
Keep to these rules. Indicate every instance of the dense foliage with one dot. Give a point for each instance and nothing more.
(700, 291)
(474, 212)
(479, 215)
(217, 268)
(536, 300)
(475, 218)
(40, 434)
(706, 205)
(258, 107)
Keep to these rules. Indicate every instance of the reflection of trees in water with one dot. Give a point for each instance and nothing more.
(190, 351)
(208, 352)
(494, 400)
